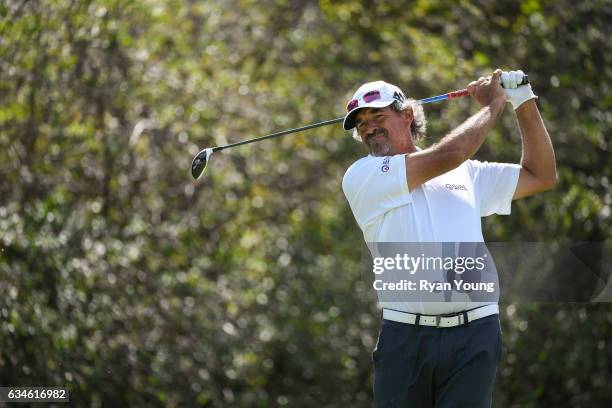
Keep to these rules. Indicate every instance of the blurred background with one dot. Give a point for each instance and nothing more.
(131, 284)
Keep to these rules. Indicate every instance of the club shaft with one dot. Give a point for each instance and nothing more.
(281, 133)
(450, 95)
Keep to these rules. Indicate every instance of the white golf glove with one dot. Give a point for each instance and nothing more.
(517, 94)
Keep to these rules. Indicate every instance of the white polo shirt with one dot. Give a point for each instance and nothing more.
(447, 208)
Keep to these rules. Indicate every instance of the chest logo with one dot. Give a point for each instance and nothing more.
(385, 165)
(456, 187)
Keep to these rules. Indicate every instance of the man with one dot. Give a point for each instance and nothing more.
(439, 354)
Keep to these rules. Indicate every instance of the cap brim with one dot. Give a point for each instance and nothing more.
(349, 119)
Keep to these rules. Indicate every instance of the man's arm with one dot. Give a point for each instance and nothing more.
(538, 170)
(463, 142)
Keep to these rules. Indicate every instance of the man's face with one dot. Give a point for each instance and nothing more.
(384, 131)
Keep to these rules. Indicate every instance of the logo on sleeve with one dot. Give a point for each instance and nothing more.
(456, 187)
(385, 165)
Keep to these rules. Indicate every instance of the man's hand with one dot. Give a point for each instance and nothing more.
(487, 90)
(517, 94)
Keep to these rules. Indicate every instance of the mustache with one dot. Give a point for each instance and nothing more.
(369, 136)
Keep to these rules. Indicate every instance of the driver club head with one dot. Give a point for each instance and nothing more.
(198, 165)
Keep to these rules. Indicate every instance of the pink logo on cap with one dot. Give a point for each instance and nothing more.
(367, 98)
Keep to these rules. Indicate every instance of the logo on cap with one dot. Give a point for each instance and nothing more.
(399, 96)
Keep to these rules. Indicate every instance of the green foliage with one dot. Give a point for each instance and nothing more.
(133, 285)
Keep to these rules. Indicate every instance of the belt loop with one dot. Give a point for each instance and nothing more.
(465, 318)
(418, 319)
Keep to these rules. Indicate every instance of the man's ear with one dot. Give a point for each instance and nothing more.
(408, 116)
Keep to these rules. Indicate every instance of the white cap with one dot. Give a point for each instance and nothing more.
(371, 95)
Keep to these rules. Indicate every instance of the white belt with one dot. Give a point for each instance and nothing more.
(451, 320)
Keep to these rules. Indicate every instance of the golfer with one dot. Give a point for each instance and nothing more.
(437, 354)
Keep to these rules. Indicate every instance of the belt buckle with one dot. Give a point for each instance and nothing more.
(439, 319)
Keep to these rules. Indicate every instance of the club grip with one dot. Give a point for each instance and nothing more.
(525, 81)
(458, 94)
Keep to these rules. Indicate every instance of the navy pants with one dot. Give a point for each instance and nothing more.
(423, 367)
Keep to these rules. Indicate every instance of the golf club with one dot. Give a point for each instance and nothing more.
(198, 165)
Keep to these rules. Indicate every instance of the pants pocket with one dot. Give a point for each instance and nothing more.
(500, 342)
(377, 353)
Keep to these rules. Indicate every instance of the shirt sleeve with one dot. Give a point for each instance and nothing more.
(375, 185)
(494, 185)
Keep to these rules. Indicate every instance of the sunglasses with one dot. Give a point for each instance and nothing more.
(367, 98)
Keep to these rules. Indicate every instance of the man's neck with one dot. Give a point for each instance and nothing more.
(411, 148)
